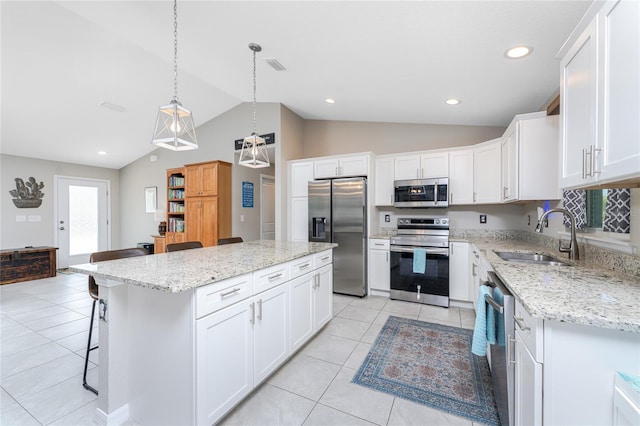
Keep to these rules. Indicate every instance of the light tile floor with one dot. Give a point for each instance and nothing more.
(44, 329)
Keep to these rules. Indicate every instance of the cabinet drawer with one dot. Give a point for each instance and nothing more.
(267, 278)
(323, 258)
(216, 296)
(302, 266)
(379, 244)
(531, 331)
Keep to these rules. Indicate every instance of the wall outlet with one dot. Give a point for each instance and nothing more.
(387, 218)
(483, 218)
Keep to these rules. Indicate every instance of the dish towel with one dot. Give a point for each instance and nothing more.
(479, 342)
(419, 260)
(491, 321)
(499, 298)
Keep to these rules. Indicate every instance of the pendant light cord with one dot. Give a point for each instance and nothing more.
(254, 92)
(175, 50)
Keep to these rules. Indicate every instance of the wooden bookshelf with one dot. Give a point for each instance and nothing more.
(175, 205)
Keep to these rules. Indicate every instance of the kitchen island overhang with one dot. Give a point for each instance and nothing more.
(170, 322)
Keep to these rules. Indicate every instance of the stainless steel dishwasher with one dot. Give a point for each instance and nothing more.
(502, 369)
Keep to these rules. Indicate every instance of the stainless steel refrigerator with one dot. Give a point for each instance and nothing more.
(338, 214)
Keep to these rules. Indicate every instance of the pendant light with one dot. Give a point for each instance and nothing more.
(174, 126)
(254, 149)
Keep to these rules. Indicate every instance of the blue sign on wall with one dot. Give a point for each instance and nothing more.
(247, 194)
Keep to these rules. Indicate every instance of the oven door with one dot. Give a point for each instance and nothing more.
(432, 287)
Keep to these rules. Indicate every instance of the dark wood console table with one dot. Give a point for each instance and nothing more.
(29, 263)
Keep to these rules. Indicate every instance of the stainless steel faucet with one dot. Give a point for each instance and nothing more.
(573, 244)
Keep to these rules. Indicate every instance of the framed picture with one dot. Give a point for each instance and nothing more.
(150, 199)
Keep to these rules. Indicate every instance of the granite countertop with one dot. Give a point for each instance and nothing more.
(582, 293)
(184, 270)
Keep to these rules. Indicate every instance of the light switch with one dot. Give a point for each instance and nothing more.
(21, 218)
(241, 218)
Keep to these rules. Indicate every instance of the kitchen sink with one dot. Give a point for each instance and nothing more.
(534, 258)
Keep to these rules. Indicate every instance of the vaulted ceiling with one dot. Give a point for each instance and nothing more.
(65, 65)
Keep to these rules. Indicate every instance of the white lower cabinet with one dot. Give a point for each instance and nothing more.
(224, 371)
(239, 346)
(528, 386)
(460, 284)
(379, 271)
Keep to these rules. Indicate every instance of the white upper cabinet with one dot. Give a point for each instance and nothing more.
(600, 102)
(461, 177)
(384, 176)
(529, 158)
(420, 166)
(487, 169)
(301, 172)
(343, 166)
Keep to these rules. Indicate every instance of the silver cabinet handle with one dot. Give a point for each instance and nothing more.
(274, 277)
(252, 320)
(473, 269)
(451, 197)
(391, 199)
(387, 257)
(593, 160)
(521, 324)
(584, 163)
(229, 293)
(509, 341)
(306, 265)
(325, 258)
(505, 192)
(378, 244)
(316, 281)
(260, 309)
(474, 197)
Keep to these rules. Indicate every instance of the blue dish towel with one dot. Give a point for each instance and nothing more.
(479, 342)
(500, 333)
(419, 260)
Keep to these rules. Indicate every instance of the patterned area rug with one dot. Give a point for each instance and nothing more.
(430, 364)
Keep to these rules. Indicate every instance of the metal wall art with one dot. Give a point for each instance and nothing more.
(27, 195)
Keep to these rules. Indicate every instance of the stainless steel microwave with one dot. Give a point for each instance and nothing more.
(421, 193)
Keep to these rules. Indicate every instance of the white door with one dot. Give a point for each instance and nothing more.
(267, 207)
(82, 219)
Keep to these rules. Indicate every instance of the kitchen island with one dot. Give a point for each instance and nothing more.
(185, 336)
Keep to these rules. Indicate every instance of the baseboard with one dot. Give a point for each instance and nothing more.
(117, 417)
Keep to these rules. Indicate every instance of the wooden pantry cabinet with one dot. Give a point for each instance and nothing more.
(198, 204)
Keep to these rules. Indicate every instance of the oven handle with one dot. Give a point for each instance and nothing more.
(430, 250)
(493, 303)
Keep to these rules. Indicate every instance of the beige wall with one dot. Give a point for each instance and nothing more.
(19, 234)
(344, 137)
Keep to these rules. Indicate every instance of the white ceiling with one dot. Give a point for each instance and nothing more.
(392, 61)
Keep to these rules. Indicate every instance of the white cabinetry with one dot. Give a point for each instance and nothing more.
(487, 172)
(299, 219)
(323, 297)
(600, 105)
(459, 272)
(379, 272)
(419, 166)
(529, 154)
(343, 166)
(461, 177)
(300, 173)
(626, 403)
(384, 177)
(271, 331)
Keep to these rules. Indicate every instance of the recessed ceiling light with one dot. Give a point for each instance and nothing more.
(452, 101)
(330, 101)
(102, 152)
(518, 52)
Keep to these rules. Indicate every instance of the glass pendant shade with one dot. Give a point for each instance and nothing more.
(254, 152)
(174, 128)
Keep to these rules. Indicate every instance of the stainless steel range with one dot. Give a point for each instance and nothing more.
(420, 260)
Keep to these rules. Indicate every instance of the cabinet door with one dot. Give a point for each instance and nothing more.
(174, 237)
(225, 375)
(300, 175)
(379, 270)
(461, 177)
(301, 293)
(192, 178)
(193, 219)
(509, 155)
(578, 91)
(384, 176)
(434, 165)
(459, 265)
(325, 168)
(299, 220)
(353, 166)
(209, 179)
(323, 297)
(537, 151)
(528, 386)
(271, 331)
(407, 167)
(209, 226)
(159, 245)
(487, 169)
(619, 66)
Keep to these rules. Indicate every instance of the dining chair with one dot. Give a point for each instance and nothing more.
(101, 256)
(183, 246)
(230, 240)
